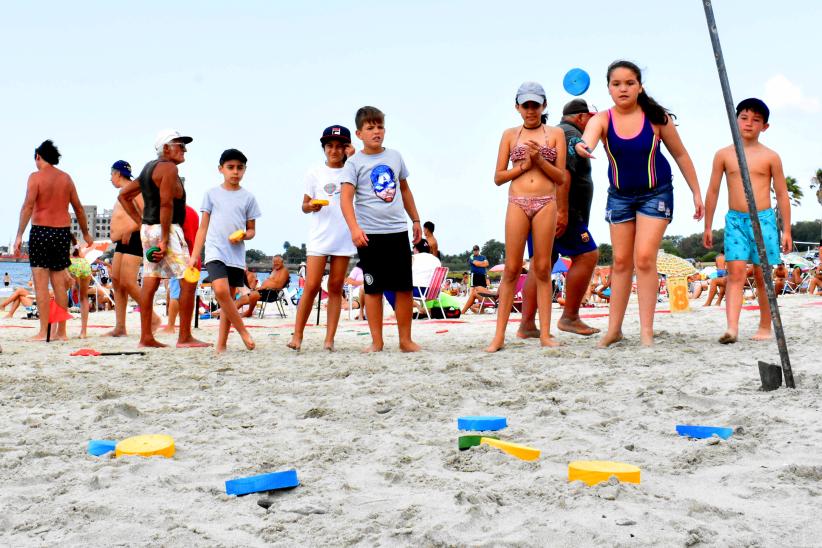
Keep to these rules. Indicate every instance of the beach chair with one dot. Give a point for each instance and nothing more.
(276, 297)
(433, 290)
(491, 299)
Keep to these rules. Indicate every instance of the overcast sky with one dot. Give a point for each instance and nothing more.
(101, 78)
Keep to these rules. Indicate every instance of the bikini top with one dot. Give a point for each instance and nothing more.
(520, 152)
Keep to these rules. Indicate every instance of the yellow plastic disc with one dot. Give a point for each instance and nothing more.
(236, 235)
(520, 451)
(319, 202)
(146, 446)
(597, 471)
(191, 275)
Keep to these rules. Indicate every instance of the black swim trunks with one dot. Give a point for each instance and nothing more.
(49, 247)
(386, 263)
(133, 247)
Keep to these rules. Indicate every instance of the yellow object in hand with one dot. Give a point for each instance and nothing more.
(237, 235)
(191, 275)
(319, 202)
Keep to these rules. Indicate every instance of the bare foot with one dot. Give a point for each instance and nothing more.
(762, 334)
(528, 333)
(116, 333)
(168, 330)
(151, 343)
(646, 340)
(576, 326)
(608, 339)
(409, 346)
(191, 342)
(549, 342)
(727, 338)
(219, 349)
(248, 341)
(329, 346)
(155, 322)
(496, 345)
(9, 315)
(294, 343)
(83, 335)
(372, 348)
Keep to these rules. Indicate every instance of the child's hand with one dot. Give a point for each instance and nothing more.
(350, 150)
(787, 242)
(527, 163)
(192, 262)
(583, 150)
(708, 239)
(359, 238)
(699, 207)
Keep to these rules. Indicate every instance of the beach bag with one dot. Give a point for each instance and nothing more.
(450, 313)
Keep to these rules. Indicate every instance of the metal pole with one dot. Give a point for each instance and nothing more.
(779, 333)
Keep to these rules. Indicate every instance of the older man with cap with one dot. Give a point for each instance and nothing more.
(165, 250)
(572, 238)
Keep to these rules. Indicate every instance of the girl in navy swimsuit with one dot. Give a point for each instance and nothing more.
(640, 195)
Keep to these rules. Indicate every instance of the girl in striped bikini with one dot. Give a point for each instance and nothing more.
(640, 196)
(536, 153)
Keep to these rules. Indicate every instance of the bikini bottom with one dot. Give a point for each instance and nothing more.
(530, 205)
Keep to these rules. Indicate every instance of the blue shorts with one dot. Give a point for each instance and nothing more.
(740, 244)
(173, 288)
(622, 208)
(575, 241)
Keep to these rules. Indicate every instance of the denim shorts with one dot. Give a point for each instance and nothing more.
(622, 208)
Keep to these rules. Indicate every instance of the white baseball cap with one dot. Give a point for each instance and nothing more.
(165, 136)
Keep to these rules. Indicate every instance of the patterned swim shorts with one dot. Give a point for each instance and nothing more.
(176, 258)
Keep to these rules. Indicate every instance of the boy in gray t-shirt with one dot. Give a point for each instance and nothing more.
(376, 176)
(229, 218)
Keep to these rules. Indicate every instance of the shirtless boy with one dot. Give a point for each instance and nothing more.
(164, 209)
(765, 167)
(48, 195)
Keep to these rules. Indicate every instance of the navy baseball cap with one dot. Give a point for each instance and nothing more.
(340, 133)
(123, 167)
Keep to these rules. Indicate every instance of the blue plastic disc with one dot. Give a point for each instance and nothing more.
(263, 482)
(703, 431)
(576, 81)
(101, 447)
(481, 423)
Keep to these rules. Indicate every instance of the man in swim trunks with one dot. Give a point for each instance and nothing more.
(572, 237)
(164, 208)
(48, 195)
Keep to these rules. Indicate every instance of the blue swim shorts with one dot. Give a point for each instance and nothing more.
(739, 237)
(173, 288)
(575, 241)
(658, 203)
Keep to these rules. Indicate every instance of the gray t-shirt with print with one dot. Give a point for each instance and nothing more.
(378, 200)
(229, 210)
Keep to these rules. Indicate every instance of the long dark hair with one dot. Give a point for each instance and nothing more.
(655, 112)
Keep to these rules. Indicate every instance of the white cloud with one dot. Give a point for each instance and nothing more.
(782, 93)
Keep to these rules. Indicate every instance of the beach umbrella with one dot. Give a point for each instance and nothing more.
(56, 314)
(795, 259)
(673, 266)
(561, 266)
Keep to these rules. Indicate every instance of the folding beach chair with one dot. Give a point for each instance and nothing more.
(274, 296)
(491, 300)
(433, 290)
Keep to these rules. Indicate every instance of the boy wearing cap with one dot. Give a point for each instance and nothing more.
(164, 203)
(765, 168)
(229, 218)
(378, 225)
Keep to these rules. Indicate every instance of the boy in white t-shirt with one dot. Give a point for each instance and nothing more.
(229, 218)
(376, 177)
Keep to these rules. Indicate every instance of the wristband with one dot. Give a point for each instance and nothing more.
(414, 221)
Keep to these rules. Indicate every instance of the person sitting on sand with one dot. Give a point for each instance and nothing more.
(698, 285)
(815, 281)
(716, 287)
(270, 290)
(355, 281)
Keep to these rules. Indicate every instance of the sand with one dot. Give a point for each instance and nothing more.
(374, 438)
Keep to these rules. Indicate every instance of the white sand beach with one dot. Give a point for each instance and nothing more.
(374, 438)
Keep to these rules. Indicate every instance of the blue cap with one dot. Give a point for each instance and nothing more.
(339, 133)
(123, 167)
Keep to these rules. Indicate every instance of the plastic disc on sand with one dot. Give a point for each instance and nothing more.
(514, 449)
(191, 275)
(319, 202)
(263, 482)
(150, 253)
(703, 431)
(101, 447)
(481, 424)
(576, 81)
(596, 471)
(147, 446)
(466, 442)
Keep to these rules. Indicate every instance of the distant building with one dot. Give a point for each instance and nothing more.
(99, 225)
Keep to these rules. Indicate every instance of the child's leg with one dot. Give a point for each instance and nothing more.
(373, 309)
(83, 283)
(517, 226)
(622, 270)
(315, 266)
(186, 307)
(764, 331)
(649, 232)
(229, 315)
(543, 230)
(59, 281)
(403, 307)
(336, 277)
(734, 285)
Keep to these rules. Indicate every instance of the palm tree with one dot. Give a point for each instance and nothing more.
(794, 195)
(816, 182)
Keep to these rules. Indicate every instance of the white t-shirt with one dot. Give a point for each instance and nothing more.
(328, 234)
(422, 268)
(229, 210)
